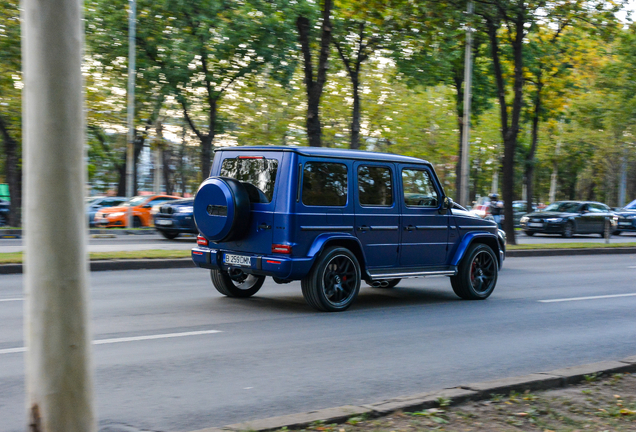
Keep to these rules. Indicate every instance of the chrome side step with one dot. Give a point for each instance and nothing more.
(413, 274)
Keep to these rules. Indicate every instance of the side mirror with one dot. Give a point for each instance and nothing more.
(147, 206)
(447, 204)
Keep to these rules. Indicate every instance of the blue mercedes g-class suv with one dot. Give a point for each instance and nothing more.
(333, 218)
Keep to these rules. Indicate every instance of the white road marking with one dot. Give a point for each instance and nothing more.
(127, 339)
(587, 298)
(631, 267)
(11, 299)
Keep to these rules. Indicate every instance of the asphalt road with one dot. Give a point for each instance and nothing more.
(273, 355)
(156, 241)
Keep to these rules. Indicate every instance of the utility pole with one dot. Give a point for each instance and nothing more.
(623, 182)
(130, 151)
(58, 339)
(463, 192)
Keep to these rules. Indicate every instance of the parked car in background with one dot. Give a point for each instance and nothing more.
(175, 217)
(519, 209)
(626, 219)
(140, 206)
(93, 204)
(4, 212)
(568, 218)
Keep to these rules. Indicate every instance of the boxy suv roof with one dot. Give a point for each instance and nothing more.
(333, 218)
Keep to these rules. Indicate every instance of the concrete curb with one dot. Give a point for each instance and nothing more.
(473, 392)
(124, 264)
(145, 264)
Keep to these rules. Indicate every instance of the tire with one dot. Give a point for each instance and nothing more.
(529, 233)
(384, 283)
(606, 227)
(170, 234)
(568, 230)
(616, 233)
(477, 273)
(137, 222)
(333, 283)
(236, 283)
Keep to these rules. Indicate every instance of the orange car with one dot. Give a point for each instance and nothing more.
(141, 211)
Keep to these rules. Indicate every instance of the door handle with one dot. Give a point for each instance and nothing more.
(363, 228)
(409, 228)
(264, 226)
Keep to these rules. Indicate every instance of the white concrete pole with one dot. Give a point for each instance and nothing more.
(58, 361)
(468, 75)
(130, 149)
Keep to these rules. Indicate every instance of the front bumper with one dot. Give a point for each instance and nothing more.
(626, 225)
(182, 224)
(546, 227)
(279, 266)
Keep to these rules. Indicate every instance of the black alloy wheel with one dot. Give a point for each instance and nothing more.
(477, 273)
(334, 281)
(236, 283)
(568, 229)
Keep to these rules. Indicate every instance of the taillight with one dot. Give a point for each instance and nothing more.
(202, 241)
(281, 249)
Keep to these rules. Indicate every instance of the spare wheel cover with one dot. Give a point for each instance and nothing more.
(221, 209)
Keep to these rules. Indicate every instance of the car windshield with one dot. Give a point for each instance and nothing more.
(563, 207)
(134, 201)
(256, 171)
(631, 205)
(91, 200)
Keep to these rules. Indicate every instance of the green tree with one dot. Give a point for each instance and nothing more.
(10, 104)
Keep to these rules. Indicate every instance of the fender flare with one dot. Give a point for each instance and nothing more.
(469, 239)
(321, 241)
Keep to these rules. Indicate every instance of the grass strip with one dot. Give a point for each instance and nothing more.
(570, 246)
(16, 257)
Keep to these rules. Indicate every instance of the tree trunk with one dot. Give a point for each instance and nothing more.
(14, 175)
(121, 185)
(166, 157)
(530, 162)
(315, 87)
(355, 120)
(206, 155)
(509, 130)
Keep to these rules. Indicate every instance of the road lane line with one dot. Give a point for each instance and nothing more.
(11, 299)
(587, 298)
(150, 337)
(127, 339)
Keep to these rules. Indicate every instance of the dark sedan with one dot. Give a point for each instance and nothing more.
(626, 219)
(4, 212)
(175, 218)
(570, 217)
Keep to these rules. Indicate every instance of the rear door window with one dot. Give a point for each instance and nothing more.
(375, 186)
(324, 184)
(257, 173)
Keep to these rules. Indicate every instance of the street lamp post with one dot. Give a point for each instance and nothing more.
(463, 192)
(130, 150)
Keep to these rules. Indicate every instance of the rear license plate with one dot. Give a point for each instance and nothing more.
(239, 260)
(163, 222)
(535, 224)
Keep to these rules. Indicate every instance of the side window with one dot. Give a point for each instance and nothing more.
(324, 184)
(375, 186)
(418, 189)
(597, 208)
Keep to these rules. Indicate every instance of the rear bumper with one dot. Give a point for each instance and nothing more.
(267, 265)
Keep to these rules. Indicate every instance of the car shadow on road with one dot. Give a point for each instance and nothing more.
(369, 298)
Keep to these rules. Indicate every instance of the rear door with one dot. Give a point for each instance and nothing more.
(259, 174)
(377, 213)
(424, 230)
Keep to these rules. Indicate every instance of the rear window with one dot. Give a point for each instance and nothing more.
(325, 184)
(257, 174)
